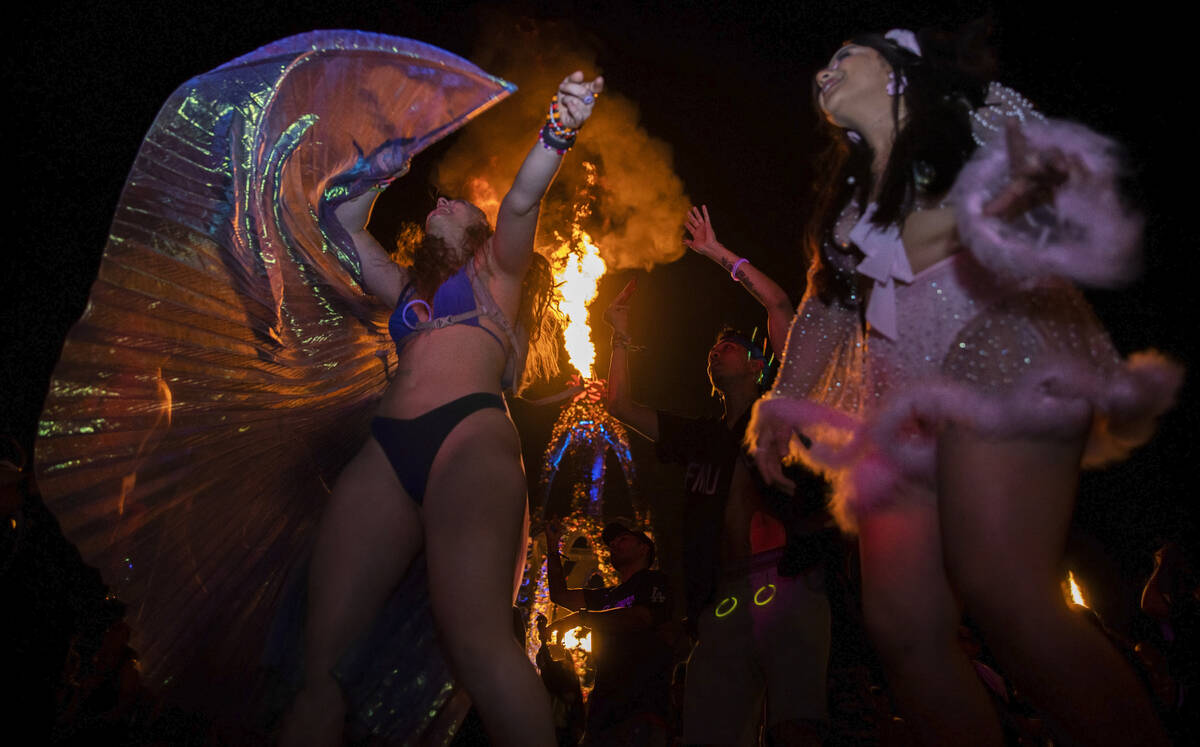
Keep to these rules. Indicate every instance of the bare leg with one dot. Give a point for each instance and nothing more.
(368, 536)
(474, 522)
(913, 619)
(1006, 507)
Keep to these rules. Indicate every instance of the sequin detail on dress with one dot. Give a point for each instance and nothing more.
(995, 338)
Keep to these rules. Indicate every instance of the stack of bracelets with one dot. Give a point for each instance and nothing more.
(621, 341)
(555, 135)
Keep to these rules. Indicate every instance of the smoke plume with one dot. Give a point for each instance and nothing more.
(637, 203)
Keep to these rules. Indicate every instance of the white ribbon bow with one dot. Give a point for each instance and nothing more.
(885, 263)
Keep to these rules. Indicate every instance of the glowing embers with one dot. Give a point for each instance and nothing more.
(762, 596)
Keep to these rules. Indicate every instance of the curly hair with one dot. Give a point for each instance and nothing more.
(430, 261)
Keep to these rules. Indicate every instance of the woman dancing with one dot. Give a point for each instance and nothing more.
(442, 471)
(952, 380)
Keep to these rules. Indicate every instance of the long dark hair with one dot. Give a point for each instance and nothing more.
(942, 86)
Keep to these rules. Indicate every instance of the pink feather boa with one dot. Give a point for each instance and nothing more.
(870, 462)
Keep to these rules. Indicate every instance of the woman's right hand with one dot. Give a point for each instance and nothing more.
(1035, 176)
(770, 435)
(576, 97)
(617, 313)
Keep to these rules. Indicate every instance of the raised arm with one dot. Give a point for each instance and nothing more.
(1045, 200)
(642, 419)
(382, 277)
(516, 223)
(556, 580)
(636, 617)
(765, 290)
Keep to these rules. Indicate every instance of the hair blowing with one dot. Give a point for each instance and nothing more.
(430, 262)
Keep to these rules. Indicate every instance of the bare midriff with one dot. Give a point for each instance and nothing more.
(748, 529)
(441, 365)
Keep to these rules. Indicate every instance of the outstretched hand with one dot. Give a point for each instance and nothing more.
(576, 97)
(1035, 175)
(704, 238)
(617, 313)
(773, 436)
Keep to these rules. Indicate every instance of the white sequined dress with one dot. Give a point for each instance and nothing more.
(995, 337)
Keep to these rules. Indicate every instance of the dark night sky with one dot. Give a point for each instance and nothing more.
(726, 84)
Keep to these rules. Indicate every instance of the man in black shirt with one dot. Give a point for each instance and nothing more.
(754, 584)
(630, 701)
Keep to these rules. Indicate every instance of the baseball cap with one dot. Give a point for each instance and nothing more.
(615, 529)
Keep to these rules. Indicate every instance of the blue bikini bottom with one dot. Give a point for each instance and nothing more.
(411, 445)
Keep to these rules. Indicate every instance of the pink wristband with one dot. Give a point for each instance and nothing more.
(736, 265)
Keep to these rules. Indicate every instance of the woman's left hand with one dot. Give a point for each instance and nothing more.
(1035, 175)
(576, 98)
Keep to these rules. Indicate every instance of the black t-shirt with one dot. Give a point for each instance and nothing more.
(709, 450)
(633, 667)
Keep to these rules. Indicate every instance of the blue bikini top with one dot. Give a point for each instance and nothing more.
(462, 299)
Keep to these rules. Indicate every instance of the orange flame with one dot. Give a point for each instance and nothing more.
(1076, 592)
(578, 268)
(481, 195)
(572, 640)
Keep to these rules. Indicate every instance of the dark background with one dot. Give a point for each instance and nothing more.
(726, 84)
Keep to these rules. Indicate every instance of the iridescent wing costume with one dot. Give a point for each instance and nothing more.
(228, 360)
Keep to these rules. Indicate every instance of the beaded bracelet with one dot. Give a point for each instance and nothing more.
(551, 141)
(555, 123)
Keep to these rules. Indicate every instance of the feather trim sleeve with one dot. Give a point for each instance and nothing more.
(1086, 234)
(1036, 364)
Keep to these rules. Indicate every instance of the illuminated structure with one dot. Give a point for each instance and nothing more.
(579, 444)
